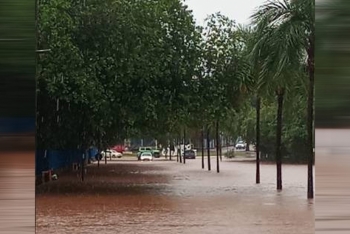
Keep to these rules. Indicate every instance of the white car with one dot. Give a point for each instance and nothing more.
(111, 153)
(146, 156)
(240, 145)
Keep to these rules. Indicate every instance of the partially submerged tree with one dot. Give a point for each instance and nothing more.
(286, 28)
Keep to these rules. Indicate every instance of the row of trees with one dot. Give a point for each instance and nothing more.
(129, 68)
(119, 69)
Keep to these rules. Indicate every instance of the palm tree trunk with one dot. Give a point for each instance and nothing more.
(202, 137)
(310, 119)
(280, 95)
(208, 148)
(217, 147)
(257, 146)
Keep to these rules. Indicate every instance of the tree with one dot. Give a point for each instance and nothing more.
(117, 69)
(221, 83)
(288, 28)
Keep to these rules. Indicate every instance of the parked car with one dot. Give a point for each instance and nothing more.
(111, 153)
(142, 150)
(190, 154)
(146, 156)
(119, 148)
(155, 152)
(240, 145)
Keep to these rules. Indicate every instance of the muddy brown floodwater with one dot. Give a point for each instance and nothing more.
(17, 192)
(163, 197)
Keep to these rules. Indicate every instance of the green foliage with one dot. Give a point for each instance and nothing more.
(243, 123)
(118, 68)
(281, 53)
(121, 68)
(219, 81)
(294, 147)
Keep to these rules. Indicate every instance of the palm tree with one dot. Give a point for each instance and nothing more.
(286, 30)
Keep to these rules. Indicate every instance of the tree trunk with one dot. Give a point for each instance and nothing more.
(220, 145)
(170, 151)
(280, 95)
(177, 149)
(105, 156)
(180, 156)
(99, 148)
(217, 147)
(257, 144)
(208, 148)
(184, 145)
(227, 139)
(310, 120)
(83, 168)
(202, 137)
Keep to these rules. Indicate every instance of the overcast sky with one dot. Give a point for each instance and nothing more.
(238, 10)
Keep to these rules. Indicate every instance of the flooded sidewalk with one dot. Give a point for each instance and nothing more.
(163, 197)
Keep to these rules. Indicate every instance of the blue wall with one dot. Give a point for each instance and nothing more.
(56, 159)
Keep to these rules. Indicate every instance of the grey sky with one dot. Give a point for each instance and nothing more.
(238, 10)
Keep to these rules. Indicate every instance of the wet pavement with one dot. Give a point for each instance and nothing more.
(163, 197)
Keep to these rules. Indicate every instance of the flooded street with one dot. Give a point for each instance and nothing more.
(17, 192)
(332, 215)
(163, 197)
